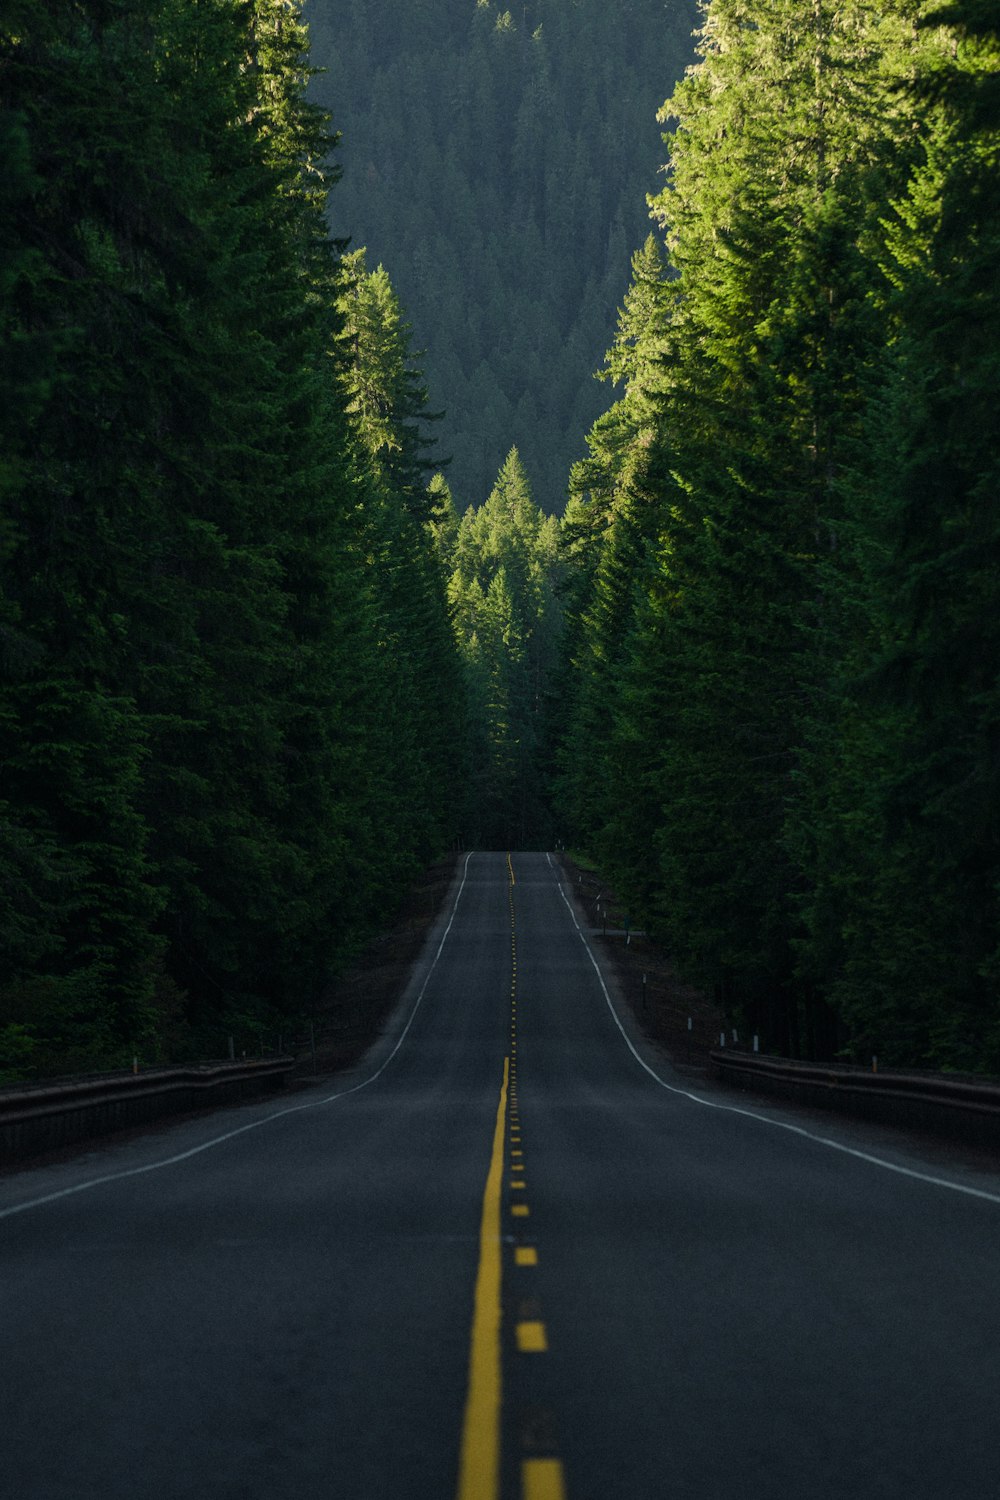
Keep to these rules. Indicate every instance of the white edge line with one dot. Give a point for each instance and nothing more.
(294, 1109)
(731, 1109)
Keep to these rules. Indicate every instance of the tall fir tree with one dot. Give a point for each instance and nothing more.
(194, 671)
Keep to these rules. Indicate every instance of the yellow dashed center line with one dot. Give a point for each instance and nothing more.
(479, 1464)
(531, 1337)
(542, 1479)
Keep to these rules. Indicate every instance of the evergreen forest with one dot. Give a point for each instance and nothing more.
(779, 726)
(496, 160)
(503, 564)
(231, 705)
(322, 553)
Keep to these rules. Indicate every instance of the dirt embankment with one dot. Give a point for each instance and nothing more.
(354, 1006)
(663, 1004)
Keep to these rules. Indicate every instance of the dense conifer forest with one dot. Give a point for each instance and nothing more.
(263, 654)
(497, 159)
(503, 565)
(780, 721)
(231, 705)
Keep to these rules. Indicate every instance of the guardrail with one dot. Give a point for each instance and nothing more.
(45, 1117)
(964, 1107)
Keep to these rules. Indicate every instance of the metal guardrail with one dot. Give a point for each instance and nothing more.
(45, 1117)
(964, 1107)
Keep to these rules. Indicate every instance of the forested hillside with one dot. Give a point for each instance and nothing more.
(231, 704)
(781, 710)
(496, 161)
(260, 659)
(503, 565)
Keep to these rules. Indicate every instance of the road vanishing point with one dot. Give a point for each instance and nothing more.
(512, 1254)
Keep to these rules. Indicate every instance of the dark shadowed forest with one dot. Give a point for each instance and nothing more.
(725, 621)
(497, 160)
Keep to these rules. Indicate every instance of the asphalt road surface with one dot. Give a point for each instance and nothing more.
(512, 1253)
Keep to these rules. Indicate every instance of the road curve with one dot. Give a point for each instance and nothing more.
(510, 1254)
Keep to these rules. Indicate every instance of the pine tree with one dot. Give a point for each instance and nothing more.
(518, 137)
(195, 669)
(916, 894)
(504, 566)
(612, 518)
(422, 712)
(780, 154)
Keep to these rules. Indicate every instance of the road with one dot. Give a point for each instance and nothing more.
(510, 1254)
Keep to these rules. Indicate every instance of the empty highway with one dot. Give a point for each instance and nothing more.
(510, 1254)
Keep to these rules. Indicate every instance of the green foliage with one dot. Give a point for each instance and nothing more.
(607, 528)
(420, 715)
(931, 868)
(257, 664)
(224, 643)
(502, 560)
(780, 679)
(497, 157)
